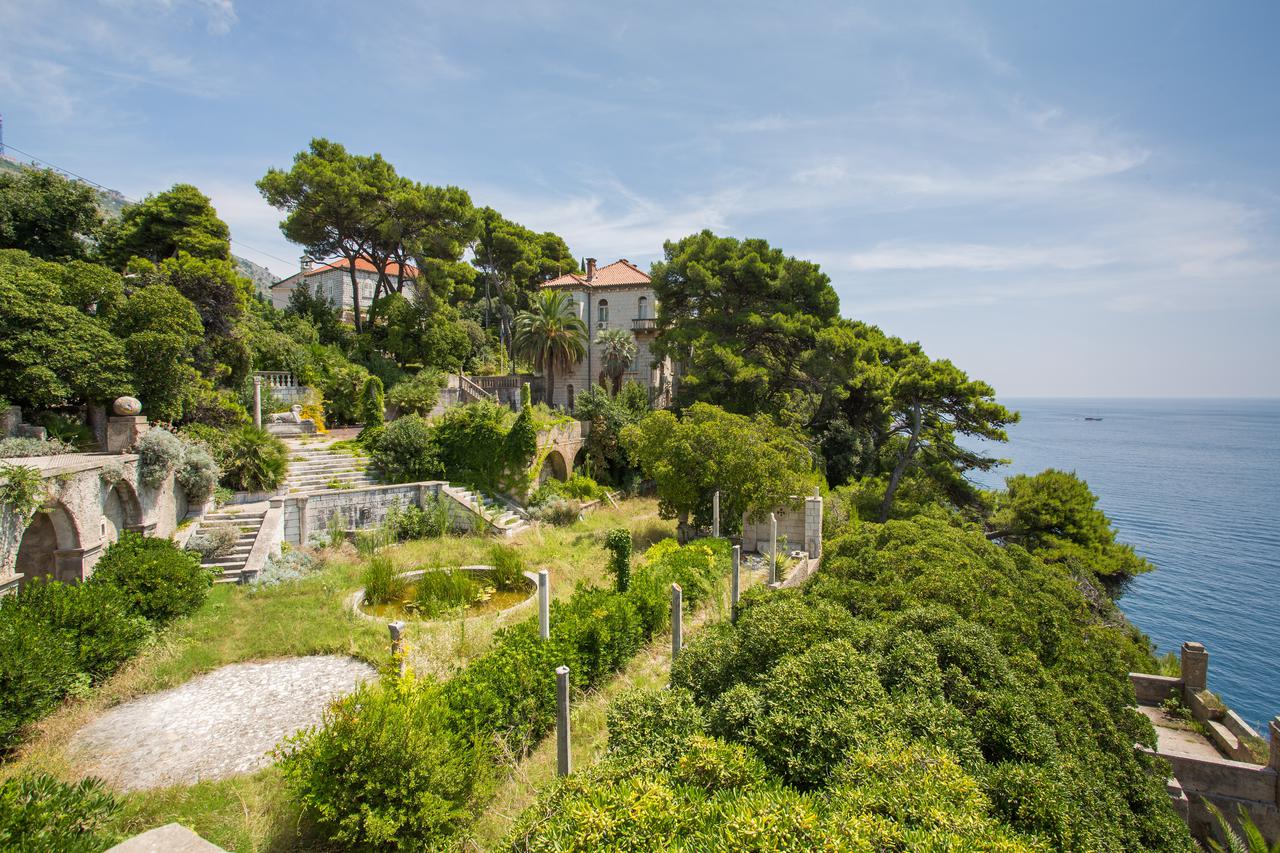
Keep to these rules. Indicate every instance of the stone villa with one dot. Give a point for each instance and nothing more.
(615, 296)
(333, 280)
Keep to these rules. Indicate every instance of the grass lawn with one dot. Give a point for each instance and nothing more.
(310, 616)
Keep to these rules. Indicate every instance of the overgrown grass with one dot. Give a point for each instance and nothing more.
(306, 617)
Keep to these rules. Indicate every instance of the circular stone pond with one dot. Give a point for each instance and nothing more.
(486, 601)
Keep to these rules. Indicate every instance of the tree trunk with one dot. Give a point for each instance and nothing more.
(905, 459)
(355, 295)
(551, 386)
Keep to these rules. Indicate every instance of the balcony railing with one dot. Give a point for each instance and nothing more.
(644, 324)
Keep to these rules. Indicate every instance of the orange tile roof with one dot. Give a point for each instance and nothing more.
(620, 273)
(364, 264)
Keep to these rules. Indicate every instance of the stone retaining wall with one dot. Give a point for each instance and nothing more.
(304, 516)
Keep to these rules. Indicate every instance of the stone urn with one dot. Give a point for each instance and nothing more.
(126, 406)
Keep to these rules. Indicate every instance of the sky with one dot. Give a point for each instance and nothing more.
(1065, 199)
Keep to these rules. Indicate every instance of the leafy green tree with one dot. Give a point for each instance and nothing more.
(372, 403)
(617, 352)
(742, 317)
(165, 379)
(407, 451)
(419, 394)
(181, 219)
(1055, 515)
(214, 286)
(52, 354)
(50, 216)
(513, 261)
(420, 329)
(754, 463)
(932, 403)
(160, 308)
(331, 200)
(551, 336)
(430, 226)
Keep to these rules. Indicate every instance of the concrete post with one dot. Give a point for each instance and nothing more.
(773, 548)
(735, 583)
(677, 619)
(257, 401)
(544, 605)
(1273, 761)
(397, 646)
(563, 762)
(1195, 668)
(715, 515)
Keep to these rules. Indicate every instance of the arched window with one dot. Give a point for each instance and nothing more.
(642, 310)
(603, 309)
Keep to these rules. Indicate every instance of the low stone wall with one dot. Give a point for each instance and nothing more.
(800, 523)
(305, 516)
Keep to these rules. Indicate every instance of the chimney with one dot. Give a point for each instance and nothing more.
(305, 264)
(591, 268)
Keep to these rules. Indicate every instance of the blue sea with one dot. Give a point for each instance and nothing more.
(1194, 485)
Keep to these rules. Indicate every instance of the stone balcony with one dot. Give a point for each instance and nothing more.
(644, 324)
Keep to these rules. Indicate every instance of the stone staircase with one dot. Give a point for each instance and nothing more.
(245, 518)
(507, 521)
(313, 467)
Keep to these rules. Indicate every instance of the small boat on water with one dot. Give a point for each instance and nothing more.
(1087, 418)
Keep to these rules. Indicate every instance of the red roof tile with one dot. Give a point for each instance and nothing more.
(620, 273)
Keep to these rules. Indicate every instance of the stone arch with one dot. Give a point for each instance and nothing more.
(181, 505)
(579, 458)
(120, 511)
(553, 466)
(50, 546)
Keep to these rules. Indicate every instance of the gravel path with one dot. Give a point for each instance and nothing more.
(217, 725)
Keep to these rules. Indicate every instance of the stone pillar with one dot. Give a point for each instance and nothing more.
(773, 548)
(715, 515)
(397, 646)
(677, 620)
(123, 432)
(735, 583)
(1273, 761)
(563, 759)
(544, 605)
(813, 525)
(1195, 668)
(257, 401)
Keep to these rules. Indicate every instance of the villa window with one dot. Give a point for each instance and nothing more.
(603, 312)
(642, 309)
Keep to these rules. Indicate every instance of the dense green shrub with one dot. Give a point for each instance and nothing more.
(11, 448)
(926, 690)
(256, 461)
(440, 591)
(418, 395)
(387, 770)
(68, 430)
(557, 511)
(159, 580)
(618, 543)
(40, 813)
(198, 473)
(407, 452)
(159, 453)
(36, 671)
(383, 581)
(372, 403)
(428, 521)
(92, 618)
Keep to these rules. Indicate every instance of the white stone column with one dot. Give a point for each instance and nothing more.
(544, 605)
(735, 582)
(715, 515)
(257, 401)
(563, 758)
(677, 620)
(773, 548)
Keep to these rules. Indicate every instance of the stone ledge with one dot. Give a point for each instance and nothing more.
(170, 838)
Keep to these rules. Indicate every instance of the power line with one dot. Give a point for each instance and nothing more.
(105, 188)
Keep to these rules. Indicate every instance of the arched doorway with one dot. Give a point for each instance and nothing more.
(181, 506)
(50, 547)
(120, 512)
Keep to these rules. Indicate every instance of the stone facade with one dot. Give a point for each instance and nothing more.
(616, 296)
(333, 280)
(89, 500)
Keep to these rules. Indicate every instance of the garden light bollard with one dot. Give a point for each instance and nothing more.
(735, 582)
(773, 548)
(677, 619)
(715, 515)
(544, 605)
(257, 401)
(397, 646)
(562, 721)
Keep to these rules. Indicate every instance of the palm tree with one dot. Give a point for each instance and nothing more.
(551, 335)
(618, 350)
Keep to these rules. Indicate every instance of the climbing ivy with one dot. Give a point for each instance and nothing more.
(21, 490)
